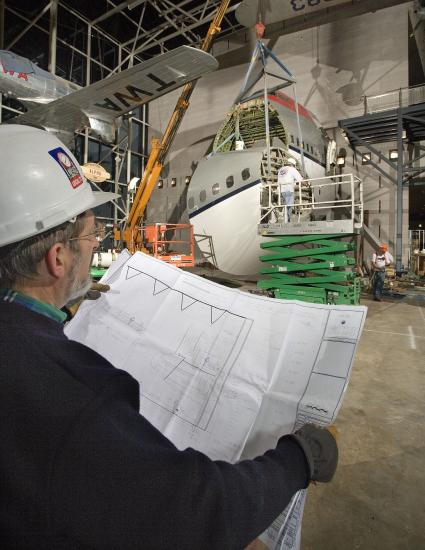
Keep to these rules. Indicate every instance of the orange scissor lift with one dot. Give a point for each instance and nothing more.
(170, 242)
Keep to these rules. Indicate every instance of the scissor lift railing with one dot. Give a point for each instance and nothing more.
(332, 204)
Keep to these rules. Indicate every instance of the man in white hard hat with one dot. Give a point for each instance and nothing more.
(287, 177)
(79, 466)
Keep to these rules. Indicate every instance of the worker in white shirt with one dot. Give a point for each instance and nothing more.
(287, 177)
(380, 260)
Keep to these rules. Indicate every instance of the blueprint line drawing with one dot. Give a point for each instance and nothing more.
(189, 382)
(189, 385)
(186, 300)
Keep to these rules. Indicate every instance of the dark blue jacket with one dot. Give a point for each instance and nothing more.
(80, 468)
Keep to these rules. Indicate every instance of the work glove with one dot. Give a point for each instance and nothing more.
(93, 293)
(320, 449)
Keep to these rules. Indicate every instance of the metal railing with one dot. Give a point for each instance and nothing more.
(403, 97)
(342, 200)
(416, 246)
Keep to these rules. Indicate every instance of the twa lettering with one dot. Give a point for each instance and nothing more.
(132, 95)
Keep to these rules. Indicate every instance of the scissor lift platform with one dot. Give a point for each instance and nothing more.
(311, 259)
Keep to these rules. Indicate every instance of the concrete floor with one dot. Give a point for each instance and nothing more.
(377, 498)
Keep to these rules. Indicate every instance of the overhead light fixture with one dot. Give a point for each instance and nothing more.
(173, 182)
(403, 134)
(393, 154)
(366, 158)
(160, 184)
(132, 185)
(340, 161)
(187, 180)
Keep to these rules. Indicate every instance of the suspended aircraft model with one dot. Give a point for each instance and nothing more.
(63, 107)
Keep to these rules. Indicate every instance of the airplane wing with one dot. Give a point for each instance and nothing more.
(120, 93)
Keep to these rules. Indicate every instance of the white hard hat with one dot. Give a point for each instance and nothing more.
(41, 184)
(291, 160)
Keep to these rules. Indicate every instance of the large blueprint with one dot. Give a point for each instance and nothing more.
(220, 370)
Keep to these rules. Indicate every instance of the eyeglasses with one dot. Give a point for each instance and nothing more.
(97, 234)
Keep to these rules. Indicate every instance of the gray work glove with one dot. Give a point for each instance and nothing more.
(95, 291)
(320, 449)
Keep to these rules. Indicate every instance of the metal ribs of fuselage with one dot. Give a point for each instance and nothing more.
(247, 123)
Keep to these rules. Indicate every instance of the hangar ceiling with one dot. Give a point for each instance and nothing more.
(114, 34)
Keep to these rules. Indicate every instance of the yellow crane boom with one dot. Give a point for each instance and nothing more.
(160, 148)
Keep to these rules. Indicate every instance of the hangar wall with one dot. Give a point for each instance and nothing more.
(335, 65)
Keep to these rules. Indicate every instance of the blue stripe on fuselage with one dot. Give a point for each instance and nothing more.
(240, 189)
(307, 155)
(224, 197)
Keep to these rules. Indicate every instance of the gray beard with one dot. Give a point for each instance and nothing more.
(77, 289)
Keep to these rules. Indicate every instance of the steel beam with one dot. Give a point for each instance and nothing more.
(2, 3)
(53, 34)
(113, 11)
(399, 214)
(377, 167)
(207, 19)
(28, 27)
(370, 147)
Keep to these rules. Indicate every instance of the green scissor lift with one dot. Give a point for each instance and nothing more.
(311, 268)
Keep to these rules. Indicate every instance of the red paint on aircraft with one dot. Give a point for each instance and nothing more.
(12, 73)
(289, 103)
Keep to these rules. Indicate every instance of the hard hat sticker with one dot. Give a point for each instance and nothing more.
(68, 166)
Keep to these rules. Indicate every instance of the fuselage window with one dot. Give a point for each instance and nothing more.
(191, 202)
(246, 174)
(292, 138)
(202, 195)
(230, 181)
(216, 188)
(298, 142)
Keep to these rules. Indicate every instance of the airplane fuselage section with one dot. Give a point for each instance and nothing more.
(224, 204)
(28, 83)
(225, 192)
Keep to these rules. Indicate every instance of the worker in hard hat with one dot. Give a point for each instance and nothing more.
(381, 259)
(287, 177)
(80, 467)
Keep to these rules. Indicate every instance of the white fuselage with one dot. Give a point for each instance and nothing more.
(229, 219)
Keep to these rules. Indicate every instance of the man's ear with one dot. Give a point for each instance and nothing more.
(55, 261)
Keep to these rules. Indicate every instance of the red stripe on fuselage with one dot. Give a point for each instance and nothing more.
(289, 103)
